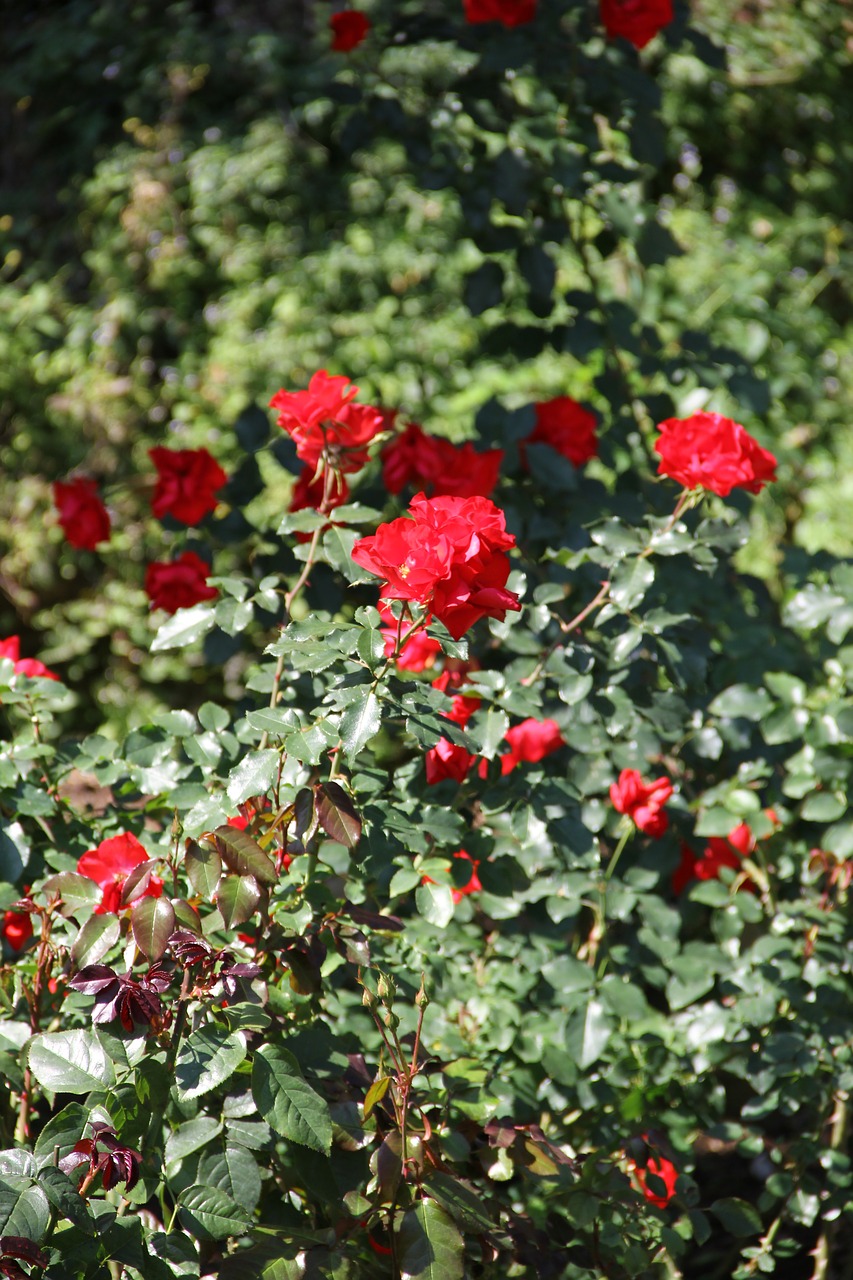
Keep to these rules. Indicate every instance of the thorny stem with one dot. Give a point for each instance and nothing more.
(44, 963)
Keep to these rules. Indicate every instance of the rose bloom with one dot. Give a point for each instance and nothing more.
(323, 419)
(708, 451)
(84, 518)
(178, 584)
(109, 866)
(438, 466)
(530, 741)
(567, 427)
(446, 759)
(309, 491)
(11, 648)
(635, 20)
(349, 28)
(449, 556)
(418, 653)
(718, 853)
(659, 1168)
(471, 885)
(16, 929)
(187, 480)
(512, 13)
(642, 801)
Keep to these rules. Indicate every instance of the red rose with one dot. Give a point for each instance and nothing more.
(567, 427)
(635, 20)
(84, 518)
(642, 801)
(708, 451)
(11, 648)
(323, 420)
(512, 13)
(658, 1168)
(411, 458)
(531, 741)
(349, 27)
(718, 853)
(471, 885)
(178, 584)
(309, 492)
(417, 653)
(438, 466)
(449, 556)
(186, 483)
(446, 759)
(16, 929)
(109, 866)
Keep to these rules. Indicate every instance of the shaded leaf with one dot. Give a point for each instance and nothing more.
(203, 867)
(430, 1246)
(238, 899)
(287, 1102)
(337, 814)
(243, 855)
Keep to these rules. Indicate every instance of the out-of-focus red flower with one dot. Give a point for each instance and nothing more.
(658, 1168)
(349, 28)
(531, 741)
(512, 13)
(635, 20)
(323, 419)
(567, 427)
(642, 801)
(708, 451)
(447, 555)
(178, 584)
(11, 648)
(84, 518)
(17, 928)
(309, 492)
(471, 885)
(187, 480)
(420, 650)
(718, 853)
(438, 466)
(446, 759)
(110, 864)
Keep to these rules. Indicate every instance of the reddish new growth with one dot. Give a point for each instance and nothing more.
(104, 1154)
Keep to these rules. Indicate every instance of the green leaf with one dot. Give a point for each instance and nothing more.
(234, 1171)
(430, 1246)
(24, 1209)
(183, 628)
(203, 867)
(244, 856)
(743, 701)
(435, 903)
(237, 899)
(62, 1131)
(630, 582)
(64, 1196)
(337, 814)
(207, 1058)
(190, 1137)
(253, 776)
(738, 1217)
(152, 921)
(98, 936)
(375, 1094)
(211, 1214)
(287, 1102)
(360, 722)
(75, 890)
(588, 1031)
(70, 1062)
(337, 548)
(488, 731)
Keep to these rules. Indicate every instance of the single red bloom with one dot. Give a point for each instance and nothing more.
(109, 866)
(447, 760)
(567, 427)
(531, 741)
(16, 929)
(708, 451)
(411, 458)
(642, 802)
(448, 555)
(11, 648)
(187, 481)
(349, 28)
(472, 885)
(84, 518)
(635, 20)
(323, 420)
(660, 1168)
(178, 584)
(512, 13)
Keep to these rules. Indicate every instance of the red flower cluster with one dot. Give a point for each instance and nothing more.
(635, 20)
(567, 427)
(322, 420)
(349, 28)
(16, 929)
(109, 866)
(512, 13)
(718, 853)
(11, 648)
(187, 480)
(708, 451)
(642, 801)
(449, 556)
(417, 653)
(438, 466)
(178, 584)
(84, 518)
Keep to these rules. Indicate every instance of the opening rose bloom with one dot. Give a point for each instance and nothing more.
(512, 13)
(567, 427)
(187, 480)
(84, 519)
(349, 28)
(637, 21)
(11, 648)
(708, 451)
(109, 866)
(642, 801)
(449, 555)
(438, 466)
(323, 420)
(178, 584)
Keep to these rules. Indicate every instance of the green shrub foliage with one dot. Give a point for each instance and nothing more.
(424, 835)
